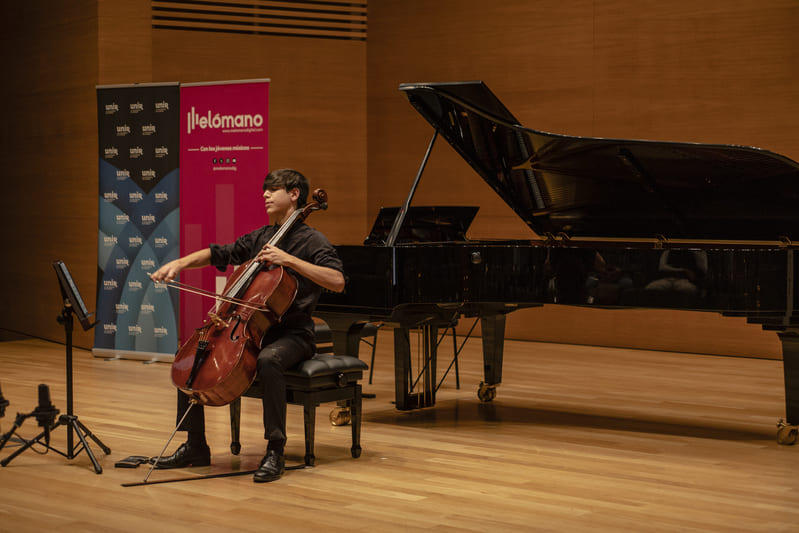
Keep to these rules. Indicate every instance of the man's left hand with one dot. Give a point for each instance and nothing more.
(273, 255)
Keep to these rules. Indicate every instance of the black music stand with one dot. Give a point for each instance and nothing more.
(73, 304)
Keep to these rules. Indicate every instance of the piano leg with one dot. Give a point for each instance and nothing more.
(493, 332)
(788, 430)
(415, 392)
(402, 368)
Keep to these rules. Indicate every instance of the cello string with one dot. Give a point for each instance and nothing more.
(254, 266)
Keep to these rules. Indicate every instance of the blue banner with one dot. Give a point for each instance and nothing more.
(139, 230)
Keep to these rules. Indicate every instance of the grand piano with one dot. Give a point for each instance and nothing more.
(620, 224)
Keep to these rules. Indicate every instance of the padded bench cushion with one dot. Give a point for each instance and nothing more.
(324, 364)
(326, 371)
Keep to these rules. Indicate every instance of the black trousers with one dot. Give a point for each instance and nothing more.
(277, 356)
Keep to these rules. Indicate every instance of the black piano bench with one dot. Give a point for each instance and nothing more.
(321, 379)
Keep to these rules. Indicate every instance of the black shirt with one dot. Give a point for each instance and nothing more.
(302, 241)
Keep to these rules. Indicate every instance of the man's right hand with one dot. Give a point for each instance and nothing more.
(167, 272)
(170, 271)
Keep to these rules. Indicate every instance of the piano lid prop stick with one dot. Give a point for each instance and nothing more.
(395, 228)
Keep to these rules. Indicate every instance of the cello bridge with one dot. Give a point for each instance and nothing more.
(217, 320)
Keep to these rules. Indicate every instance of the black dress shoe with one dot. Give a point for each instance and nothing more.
(272, 467)
(187, 455)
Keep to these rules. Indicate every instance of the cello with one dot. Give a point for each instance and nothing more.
(218, 363)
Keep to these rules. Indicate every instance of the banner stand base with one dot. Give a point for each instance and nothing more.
(147, 357)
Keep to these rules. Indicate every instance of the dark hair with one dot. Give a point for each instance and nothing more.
(288, 179)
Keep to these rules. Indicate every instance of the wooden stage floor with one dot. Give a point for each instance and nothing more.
(578, 438)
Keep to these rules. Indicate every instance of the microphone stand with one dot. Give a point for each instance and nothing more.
(69, 419)
(17, 423)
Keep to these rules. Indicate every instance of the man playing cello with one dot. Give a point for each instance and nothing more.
(311, 259)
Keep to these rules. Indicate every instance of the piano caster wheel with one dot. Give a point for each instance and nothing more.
(340, 416)
(235, 448)
(786, 434)
(486, 392)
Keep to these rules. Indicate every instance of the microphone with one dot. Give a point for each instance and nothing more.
(45, 412)
(3, 404)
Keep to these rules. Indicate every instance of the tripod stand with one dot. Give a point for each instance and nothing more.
(70, 419)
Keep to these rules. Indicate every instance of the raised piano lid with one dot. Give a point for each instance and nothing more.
(614, 188)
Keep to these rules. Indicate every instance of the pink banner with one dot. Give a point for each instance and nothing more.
(223, 163)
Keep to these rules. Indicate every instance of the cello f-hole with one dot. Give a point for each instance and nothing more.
(235, 327)
(201, 352)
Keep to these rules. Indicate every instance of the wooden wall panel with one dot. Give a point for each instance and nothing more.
(317, 107)
(48, 209)
(714, 71)
(125, 42)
